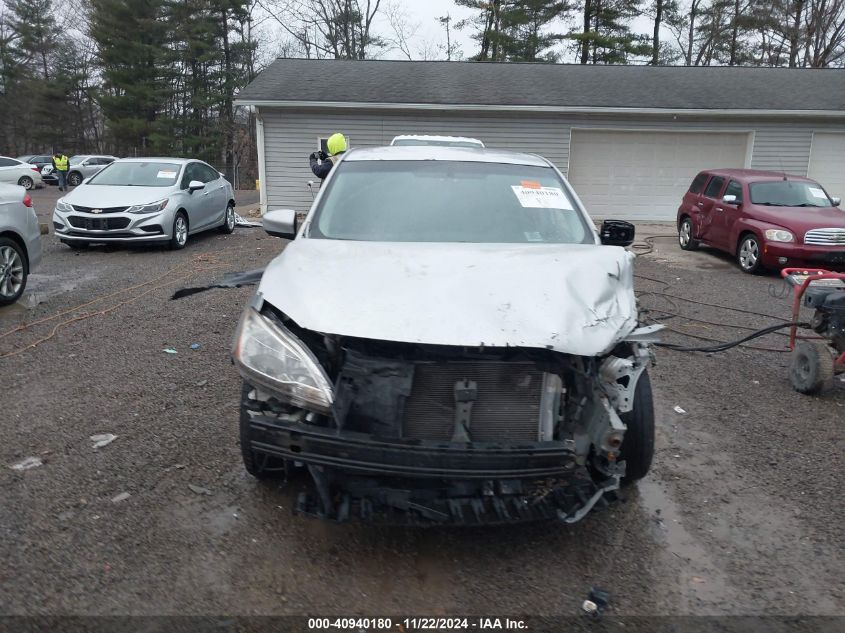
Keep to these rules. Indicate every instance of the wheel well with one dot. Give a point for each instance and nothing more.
(185, 213)
(232, 202)
(17, 240)
(682, 218)
(742, 235)
(26, 176)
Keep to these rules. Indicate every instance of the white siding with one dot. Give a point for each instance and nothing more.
(291, 135)
(827, 162)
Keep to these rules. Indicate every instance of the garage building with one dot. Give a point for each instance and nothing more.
(629, 138)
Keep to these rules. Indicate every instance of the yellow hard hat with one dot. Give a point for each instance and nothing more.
(336, 144)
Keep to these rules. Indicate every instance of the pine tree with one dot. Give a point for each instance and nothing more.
(606, 37)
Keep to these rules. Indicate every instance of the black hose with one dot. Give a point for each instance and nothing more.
(729, 344)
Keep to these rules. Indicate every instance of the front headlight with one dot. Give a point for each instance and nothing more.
(779, 235)
(63, 206)
(271, 356)
(154, 207)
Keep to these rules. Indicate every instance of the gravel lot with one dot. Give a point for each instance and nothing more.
(740, 515)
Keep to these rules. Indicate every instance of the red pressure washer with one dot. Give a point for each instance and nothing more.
(815, 359)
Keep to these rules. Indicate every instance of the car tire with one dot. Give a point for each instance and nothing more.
(228, 226)
(179, 231)
(257, 465)
(14, 271)
(26, 182)
(810, 366)
(749, 254)
(77, 246)
(74, 178)
(638, 445)
(685, 235)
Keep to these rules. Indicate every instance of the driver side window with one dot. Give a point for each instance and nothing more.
(190, 174)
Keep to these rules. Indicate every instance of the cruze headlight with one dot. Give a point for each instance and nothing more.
(779, 235)
(63, 206)
(154, 207)
(270, 356)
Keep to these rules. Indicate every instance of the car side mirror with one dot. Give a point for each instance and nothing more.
(195, 185)
(280, 223)
(730, 199)
(836, 201)
(616, 233)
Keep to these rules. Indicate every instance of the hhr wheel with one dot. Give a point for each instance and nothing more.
(749, 255)
(179, 234)
(638, 445)
(810, 367)
(685, 239)
(13, 271)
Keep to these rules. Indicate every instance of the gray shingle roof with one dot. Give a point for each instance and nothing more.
(552, 85)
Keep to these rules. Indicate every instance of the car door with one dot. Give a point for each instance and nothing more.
(196, 202)
(215, 191)
(726, 214)
(707, 208)
(10, 170)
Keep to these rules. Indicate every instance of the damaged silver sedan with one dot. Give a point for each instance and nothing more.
(447, 340)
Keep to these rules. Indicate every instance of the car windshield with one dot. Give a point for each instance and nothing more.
(138, 174)
(448, 201)
(789, 193)
(440, 142)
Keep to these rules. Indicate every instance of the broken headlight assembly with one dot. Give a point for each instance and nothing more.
(269, 355)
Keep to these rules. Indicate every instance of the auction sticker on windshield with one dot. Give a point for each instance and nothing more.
(818, 193)
(542, 197)
(167, 174)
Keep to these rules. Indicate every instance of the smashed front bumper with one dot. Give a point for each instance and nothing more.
(398, 481)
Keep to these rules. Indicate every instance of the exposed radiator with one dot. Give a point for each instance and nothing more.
(506, 409)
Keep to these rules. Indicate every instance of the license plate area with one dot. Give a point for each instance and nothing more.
(96, 224)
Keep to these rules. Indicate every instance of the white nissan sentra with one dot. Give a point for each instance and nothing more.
(146, 200)
(447, 339)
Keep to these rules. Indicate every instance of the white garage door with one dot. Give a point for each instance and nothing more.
(827, 162)
(643, 175)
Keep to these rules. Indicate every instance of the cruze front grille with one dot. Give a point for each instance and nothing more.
(98, 210)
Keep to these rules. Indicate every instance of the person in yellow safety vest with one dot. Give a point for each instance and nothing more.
(61, 163)
(336, 146)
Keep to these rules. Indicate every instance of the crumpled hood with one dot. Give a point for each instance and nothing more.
(576, 299)
(115, 196)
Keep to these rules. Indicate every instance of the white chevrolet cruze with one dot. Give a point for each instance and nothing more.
(146, 200)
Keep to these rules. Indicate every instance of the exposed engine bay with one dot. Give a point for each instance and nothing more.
(433, 434)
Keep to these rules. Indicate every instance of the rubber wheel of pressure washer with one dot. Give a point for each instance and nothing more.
(257, 465)
(638, 446)
(685, 233)
(811, 366)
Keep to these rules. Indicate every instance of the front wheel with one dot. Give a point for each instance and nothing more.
(13, 271)
(74, 178)
(26, 182)
(228, 225)
(638, 444)
(258, 465)
(685, 236)
(749, 256)
(179, 234)
(810, 367)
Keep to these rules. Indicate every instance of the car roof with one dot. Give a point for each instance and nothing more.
(755, 175)
(438, 152)
(434, 137)
(168, 159)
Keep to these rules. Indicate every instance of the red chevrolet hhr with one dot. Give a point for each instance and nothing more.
(765, 219)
